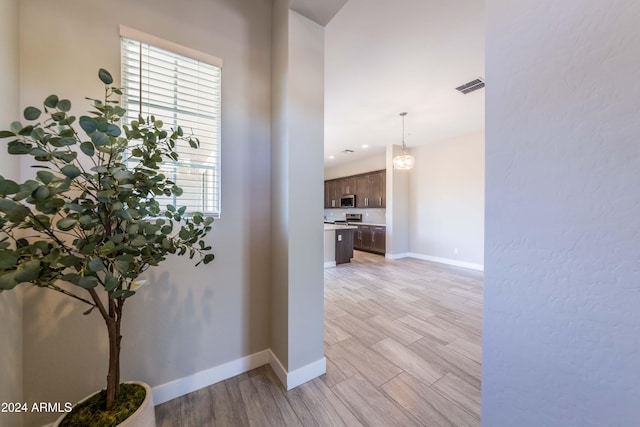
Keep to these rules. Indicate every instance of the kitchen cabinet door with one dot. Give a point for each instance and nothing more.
(378, 239)
(331, 199)
(362, 191)
(365, 237)
(347, 185)
(377, 190)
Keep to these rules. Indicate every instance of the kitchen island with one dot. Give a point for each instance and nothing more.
(338, 244)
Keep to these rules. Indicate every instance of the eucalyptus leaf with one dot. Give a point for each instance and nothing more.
(88, 282)
(51, 101)
(32, 113)
(64, 105)
(66, 224)
(105, 76)
(71, 171)
(45, 176)
(8, 187)
(88, 148)
(88, 124)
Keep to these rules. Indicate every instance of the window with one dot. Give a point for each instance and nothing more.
(179, 86)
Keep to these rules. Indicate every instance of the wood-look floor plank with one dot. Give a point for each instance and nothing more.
(403, 348)
(426, 404)
(433, 332)
(395, 329)
(466, 348)
(274, 395)
(366, 334)
(409, 361)
(370, 405)
(449, 360)
(338, 368)
(460, 392)
(370, 364)
(325, 408)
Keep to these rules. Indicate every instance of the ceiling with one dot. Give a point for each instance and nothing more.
(319, 11)
(383, 58)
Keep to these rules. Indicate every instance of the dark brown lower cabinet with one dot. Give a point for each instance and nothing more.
(371, 238)
(378, 239)
(344, 246)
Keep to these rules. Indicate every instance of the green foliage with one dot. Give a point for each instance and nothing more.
(91, 211)
(92, 412)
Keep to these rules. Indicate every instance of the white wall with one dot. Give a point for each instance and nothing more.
(10, 302)
(398, 225)
(562, 261)
(187, 319)
(369, 164)
(447, 199)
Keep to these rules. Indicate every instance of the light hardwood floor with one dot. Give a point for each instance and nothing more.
(403, 348)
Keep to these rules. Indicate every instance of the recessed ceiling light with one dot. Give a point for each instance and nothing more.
(365, 146)
(332, 157)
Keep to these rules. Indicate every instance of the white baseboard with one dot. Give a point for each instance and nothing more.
(180, 387)
(329, 264)
(397, 256)
(299, 376)
(448, 261)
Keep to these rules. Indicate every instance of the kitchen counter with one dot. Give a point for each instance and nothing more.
(338, 243)
(357, 223)
(333, 227)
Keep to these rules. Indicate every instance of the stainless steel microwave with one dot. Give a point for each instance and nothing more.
(348, 201)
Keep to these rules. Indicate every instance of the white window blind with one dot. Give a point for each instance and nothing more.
(184, 91)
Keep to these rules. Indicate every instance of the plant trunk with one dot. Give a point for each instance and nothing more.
(113, 376)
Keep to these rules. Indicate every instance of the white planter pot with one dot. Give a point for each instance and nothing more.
(145, 416)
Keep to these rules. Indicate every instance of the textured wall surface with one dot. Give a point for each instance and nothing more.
(562, 275)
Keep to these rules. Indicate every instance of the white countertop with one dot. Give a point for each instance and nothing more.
(333, 227)
(362, 223)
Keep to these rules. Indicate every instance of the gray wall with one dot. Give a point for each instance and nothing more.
(306, 189)
(297, 182)
(562, 269)
(185, 319)
(10, 302)
(447, 199)
(280, 182)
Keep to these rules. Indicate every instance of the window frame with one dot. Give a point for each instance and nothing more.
(201, 57)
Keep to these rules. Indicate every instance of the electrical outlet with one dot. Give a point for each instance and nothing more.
(339, 237)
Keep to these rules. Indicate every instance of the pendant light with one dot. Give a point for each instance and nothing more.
(404, 161)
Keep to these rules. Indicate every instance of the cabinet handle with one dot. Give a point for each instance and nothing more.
(380, 200)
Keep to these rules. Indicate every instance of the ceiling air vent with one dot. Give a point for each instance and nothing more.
(471, 86)
(347, 151)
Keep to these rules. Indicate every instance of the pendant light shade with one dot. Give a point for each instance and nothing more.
(404, 161)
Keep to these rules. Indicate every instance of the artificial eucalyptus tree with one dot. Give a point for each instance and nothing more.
(88, 224)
